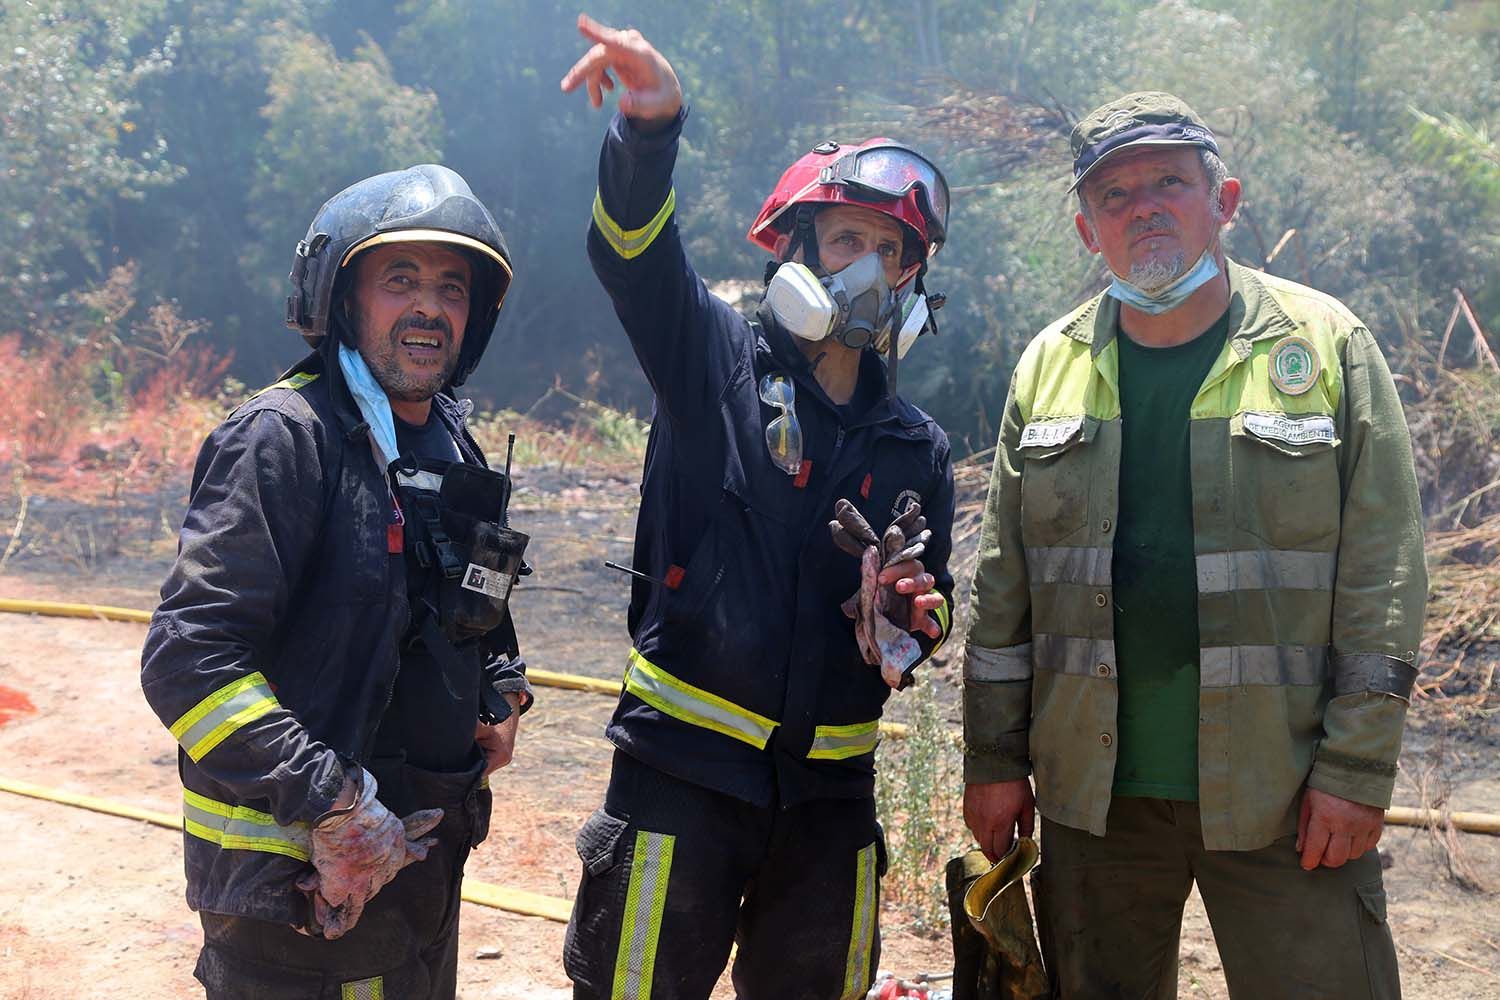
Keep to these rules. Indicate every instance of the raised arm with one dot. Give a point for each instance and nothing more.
(689, 343)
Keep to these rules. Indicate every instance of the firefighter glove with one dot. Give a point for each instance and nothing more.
(357, 851)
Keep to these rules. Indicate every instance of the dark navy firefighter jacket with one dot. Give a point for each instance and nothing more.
(274, 651)
(745, 676)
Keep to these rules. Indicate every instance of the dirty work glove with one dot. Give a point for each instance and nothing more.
(882, 617)
(356, 851)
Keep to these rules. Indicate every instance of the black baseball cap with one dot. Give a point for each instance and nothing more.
(1148, 118)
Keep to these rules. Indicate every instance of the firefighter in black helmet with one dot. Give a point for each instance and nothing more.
(333, 650)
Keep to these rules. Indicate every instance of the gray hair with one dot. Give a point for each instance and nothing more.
(1213, 169)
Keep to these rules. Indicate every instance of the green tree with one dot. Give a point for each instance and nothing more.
(329, 123)
(70, 146)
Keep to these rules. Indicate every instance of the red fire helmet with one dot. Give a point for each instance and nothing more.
(879, 173)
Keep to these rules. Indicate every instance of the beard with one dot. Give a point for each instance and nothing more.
(1158, 272)
(383, 354)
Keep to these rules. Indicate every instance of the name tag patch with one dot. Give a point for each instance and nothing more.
(1292, 430)
(1049, 433)
(486, 581)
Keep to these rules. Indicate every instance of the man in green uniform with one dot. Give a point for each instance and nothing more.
(1198, 599)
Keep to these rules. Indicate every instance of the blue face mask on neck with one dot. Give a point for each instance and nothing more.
(1171, 296)
(371, 399)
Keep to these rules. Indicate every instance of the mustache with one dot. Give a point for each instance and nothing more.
(1159, 222)
(434, 323)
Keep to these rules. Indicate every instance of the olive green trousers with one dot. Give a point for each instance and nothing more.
(1110, 912)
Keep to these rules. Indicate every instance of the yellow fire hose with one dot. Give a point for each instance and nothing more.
(1470, 822)
(541, 678)
(531, 904)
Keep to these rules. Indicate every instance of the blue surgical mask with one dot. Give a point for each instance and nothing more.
(1172, 295)
(373, 403)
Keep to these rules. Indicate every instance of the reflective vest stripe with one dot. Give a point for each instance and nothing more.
(842, 742)
(293, 382)
(1069, 564)
(1234, 666)
(1355, 672)
(1070, 654)
(862, 934)
(645, 899)
(242, 829)
(1012, 663)
(693, 705)
(212, 720)
(631, 243)
(1265, 569)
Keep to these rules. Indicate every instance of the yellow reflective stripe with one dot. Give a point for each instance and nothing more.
(631, 243)
(645, 899)
(293, 382)
(364, 989)
(842, 742)
(212, 720)
(862, 933)
(693, 705)
(945, 622)
(241, 828)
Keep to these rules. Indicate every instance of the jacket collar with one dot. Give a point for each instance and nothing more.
(1254, 315)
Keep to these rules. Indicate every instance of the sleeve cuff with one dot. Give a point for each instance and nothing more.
(987, 768)
(1369, 782)
(642, 143)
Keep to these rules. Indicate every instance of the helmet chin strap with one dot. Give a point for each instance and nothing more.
(805, 237)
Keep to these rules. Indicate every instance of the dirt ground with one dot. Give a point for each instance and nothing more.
(92, 905)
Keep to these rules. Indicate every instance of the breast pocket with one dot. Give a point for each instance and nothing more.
(1285, 477)
(1056, 478)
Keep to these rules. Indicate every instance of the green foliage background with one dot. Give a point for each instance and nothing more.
(196, 140)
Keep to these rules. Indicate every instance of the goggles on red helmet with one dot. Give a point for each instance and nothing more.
(891, 172)
(880, 173)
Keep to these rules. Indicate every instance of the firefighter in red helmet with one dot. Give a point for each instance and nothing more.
(740, 806)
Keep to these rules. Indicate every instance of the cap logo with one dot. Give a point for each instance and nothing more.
(1118, 120)
(1294, 365)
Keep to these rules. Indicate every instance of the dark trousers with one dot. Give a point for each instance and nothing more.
(673, 874)
(1110, 912)
(405, 944)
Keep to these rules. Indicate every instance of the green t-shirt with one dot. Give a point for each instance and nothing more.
(1155, 578)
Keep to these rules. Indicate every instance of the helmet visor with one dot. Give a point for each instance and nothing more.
(879, 173)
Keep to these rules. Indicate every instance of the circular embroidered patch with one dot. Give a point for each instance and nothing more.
(1294, 365)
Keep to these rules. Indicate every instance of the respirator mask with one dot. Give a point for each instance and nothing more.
(853, 306)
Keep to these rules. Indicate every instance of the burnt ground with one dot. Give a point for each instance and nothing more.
(92, 904)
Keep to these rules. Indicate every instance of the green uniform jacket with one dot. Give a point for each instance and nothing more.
(1311, 579)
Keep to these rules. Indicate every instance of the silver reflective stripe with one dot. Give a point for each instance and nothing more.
(420, 480)
(640, 929)
(1355, 672)
(1069, 564)
(242, 829)
(1071, 654)
(862, 933)
(1265, 569)
(1233, 666)
(1010, 663)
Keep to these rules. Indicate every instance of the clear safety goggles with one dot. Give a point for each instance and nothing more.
(880, 173)
(784, 432)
